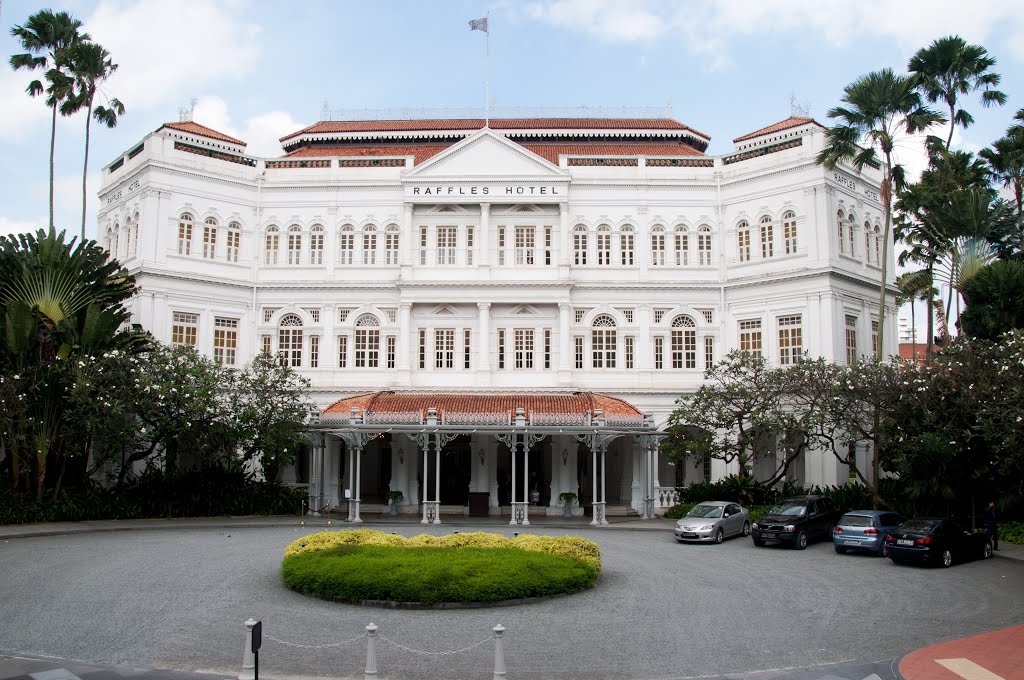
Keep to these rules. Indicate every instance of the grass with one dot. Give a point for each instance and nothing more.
(358, 565)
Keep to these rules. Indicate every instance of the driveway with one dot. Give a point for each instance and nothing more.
(178, 598)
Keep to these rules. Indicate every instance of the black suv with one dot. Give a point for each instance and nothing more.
(797, 521)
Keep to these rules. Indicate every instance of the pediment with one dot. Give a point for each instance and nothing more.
(486, 154)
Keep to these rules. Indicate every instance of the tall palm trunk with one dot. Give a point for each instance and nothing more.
(931, 314)
(53, 141)
(85, 165)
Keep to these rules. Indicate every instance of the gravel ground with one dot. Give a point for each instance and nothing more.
(178, 599)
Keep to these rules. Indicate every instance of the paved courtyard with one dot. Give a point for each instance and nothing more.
(177, 599)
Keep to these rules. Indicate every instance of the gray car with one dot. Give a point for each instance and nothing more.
(864, 530)
(712, 522)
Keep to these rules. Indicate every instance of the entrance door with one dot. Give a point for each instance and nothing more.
(456, 471)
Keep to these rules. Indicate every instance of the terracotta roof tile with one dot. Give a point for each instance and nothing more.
(455, 124)
(202, 131)
(557, 404)
(791, 122)
(420, 152)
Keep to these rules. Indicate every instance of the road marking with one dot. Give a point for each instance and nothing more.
(968, 670)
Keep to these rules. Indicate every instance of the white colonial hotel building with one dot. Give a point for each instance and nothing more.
(457, 290)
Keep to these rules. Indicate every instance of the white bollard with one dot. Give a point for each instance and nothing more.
(499, 653)
(371, 653)
(248, 658)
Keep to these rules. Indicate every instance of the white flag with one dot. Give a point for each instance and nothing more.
(479, 25)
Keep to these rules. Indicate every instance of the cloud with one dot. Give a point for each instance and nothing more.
(167, 48)
(9, 226)
(613, 20)
(261, 132)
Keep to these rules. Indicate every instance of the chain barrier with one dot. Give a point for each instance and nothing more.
(333, 644)
(425, 653)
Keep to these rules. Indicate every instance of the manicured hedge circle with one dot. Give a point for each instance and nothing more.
(372, 566)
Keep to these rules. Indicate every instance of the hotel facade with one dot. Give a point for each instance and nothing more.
(494, 313)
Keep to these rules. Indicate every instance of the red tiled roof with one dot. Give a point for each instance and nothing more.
(549, 152)
(202, 131)
(561, 404)
(908, 350)
(791, 122)
(454, 124)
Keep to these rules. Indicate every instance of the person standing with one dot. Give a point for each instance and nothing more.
(991, 528)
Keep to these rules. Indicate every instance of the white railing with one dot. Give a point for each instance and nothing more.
(557, 418)
(394, 418)
(666, 496)
(465, 418)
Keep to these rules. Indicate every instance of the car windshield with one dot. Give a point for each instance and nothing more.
(855, 521)
(919, 526)
(792, 508)
(707, 511)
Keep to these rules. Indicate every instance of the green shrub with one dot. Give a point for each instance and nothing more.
(359, 565)
(1012, 532)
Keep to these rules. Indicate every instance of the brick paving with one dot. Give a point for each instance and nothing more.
(999, 654)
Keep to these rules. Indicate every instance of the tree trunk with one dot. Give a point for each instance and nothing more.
(53, 141)
(85, 165)
(931, 315)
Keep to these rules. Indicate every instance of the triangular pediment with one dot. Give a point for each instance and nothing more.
(445, 310)
(486, 154)
(524, 310)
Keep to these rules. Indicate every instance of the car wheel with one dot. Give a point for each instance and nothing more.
(947, 558)
(746, 528)
(986, 552)
(719, 535)
(801, 540)
(758, 542)
(840, 549)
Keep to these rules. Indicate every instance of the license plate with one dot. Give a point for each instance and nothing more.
(904, 541)
(765, 535)
(851, 542)
(689, 535)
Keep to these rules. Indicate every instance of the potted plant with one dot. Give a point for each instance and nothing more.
(394, 498)
(568, 499)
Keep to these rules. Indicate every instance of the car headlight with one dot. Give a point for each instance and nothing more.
(707, 527)
(679, 525)
(790, 528)
(754, 526)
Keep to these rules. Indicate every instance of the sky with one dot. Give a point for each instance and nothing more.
(260, 69)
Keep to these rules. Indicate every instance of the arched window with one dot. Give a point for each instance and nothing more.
(289, 340)
(316, 244)
(789, 232)
(657, 246)
(369, 244)
(850, 235)
(841, 226)
(367, 354)
(210, 238)
(271, 245)
(867, 242)
(682, 243)
(391, 234)
(579, 244)
(234, 243)
(135, 234)
(704, 244)
(604, 244)
(128, 238)
(346, 244)
(743, 241)
(684, 342)
(185, 234)
(294, 244)
(111, 251)
(626, 243)
(767, 237)
(603, 342)
(878, 245)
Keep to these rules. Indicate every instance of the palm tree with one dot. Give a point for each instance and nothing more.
(950, 67)
(46, 37)
(916, 286)
(879, 106)
(90, 66)
(1006, 160)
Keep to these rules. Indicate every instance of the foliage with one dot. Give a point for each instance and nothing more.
(359, 565)
(567, 498)
(1012, 532)
(995, 300)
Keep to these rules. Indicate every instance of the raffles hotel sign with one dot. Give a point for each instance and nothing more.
(534, 192)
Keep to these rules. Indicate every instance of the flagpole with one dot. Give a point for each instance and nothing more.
(487, 77)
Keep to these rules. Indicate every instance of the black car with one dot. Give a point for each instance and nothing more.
(936, 541)
(797, 521)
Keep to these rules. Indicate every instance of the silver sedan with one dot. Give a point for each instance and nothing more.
(712, 522)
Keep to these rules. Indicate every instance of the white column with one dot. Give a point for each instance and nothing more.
(410, 235)
(483, 358)
(526, 482)
(645, 341)
(426, 477)
(564, 343)
(512, 484)
(604, 485)
(357, 453)
(483, 238)
(564, 236)
(350, 495)
(437, 483)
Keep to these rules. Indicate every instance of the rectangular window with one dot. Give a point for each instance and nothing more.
(684, 348)
(604, 247)
(706, 467)
(743, 244)
(790, 339)
(314, 351)
(370, 247)
(579, 351)
(265, 344)
(523, 347)
(391, 247)
(628, 347)
(767, 239)
(343, 313)
(659, 314)
(225, 340)
(547, 245)
(234, 242)
(210, 240)
(501, 348)
(874, 339)
(423, 348)
(603, 344)
(342, 351)
(580, 314)
(579, 247)
(789, 233)
(467, 348)
(525, 241)
(185, 237)
(659, 353)
(709, 352)
(423, 245)
(658, 249)
(750, 336)
(294, 246)
(851, 339)
(446, 245)
(367, 349)
(501, 246)
(547, 348)
(682, 248)
(704, 247)
(444, 348)
(346, 246)
(470, 245)
(184, 329)
(289, 346)
(626, 248)
(391, 351)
